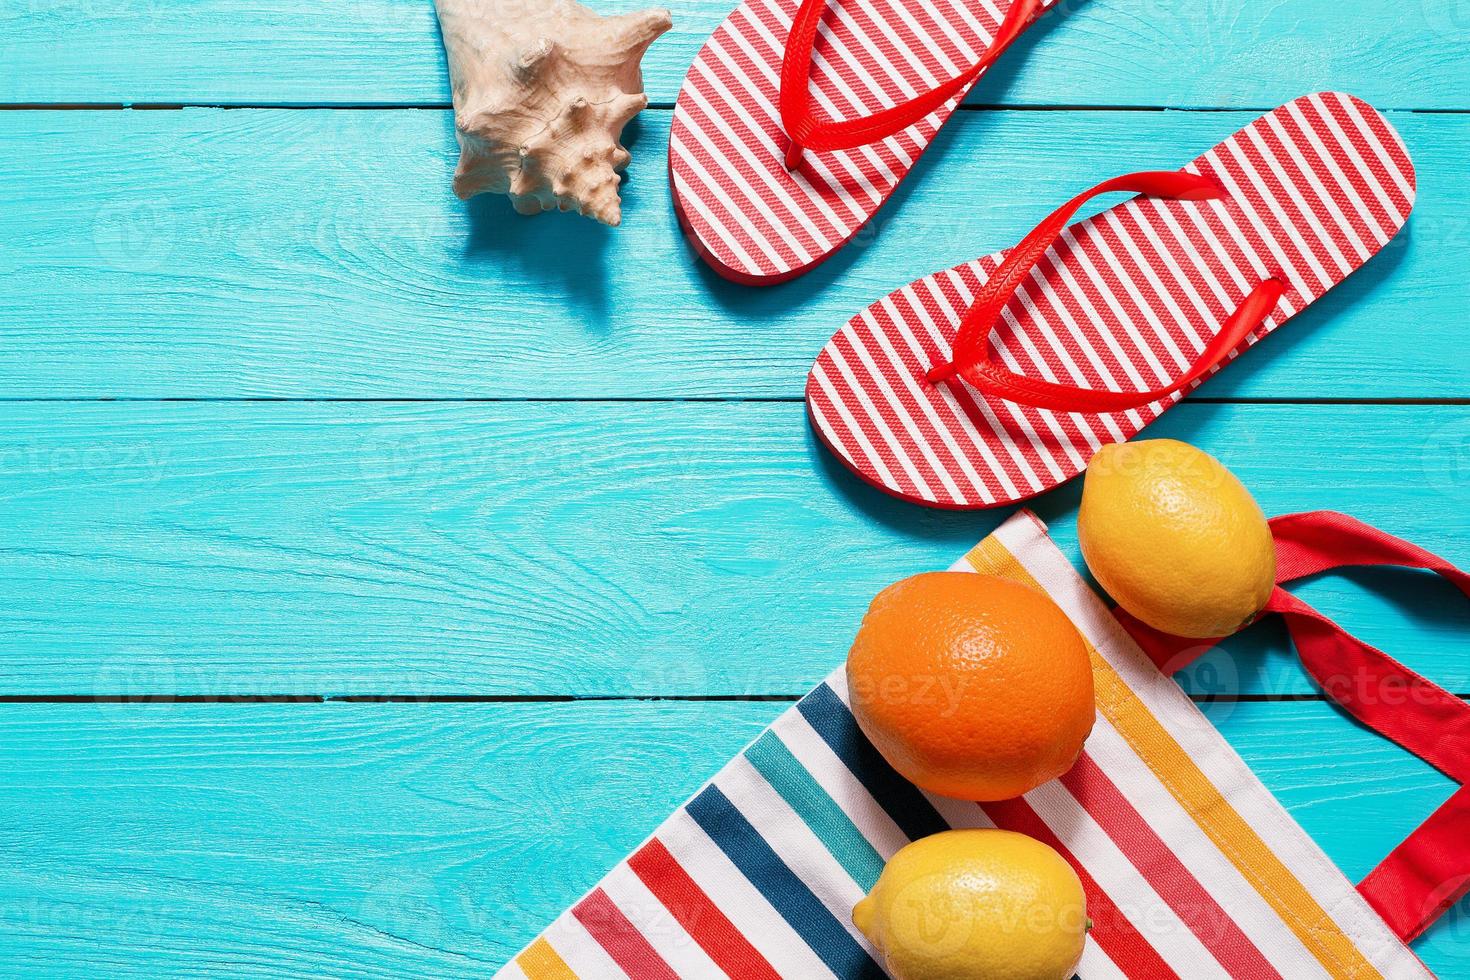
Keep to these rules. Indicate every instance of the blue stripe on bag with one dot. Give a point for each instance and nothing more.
(786, 892)
(908, 807)
(788, 777)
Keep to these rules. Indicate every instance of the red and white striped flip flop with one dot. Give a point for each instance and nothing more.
(795, 122)
(998, 379)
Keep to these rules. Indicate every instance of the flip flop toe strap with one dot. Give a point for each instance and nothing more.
(973, 356)
(799, 118)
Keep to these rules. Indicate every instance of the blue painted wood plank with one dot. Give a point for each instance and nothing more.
(314, 253)
(1191, 53)
(586, 548)
(432, 840)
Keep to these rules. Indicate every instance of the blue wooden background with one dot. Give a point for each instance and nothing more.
(375, 569)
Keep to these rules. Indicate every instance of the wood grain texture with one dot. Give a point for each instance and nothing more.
(434, 840)
(1189, 53)
(593, 548)
(240, 253)
(582, 548)
(325, 840)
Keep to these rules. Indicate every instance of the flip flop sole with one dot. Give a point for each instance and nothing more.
(745, 214)
(1124, 301)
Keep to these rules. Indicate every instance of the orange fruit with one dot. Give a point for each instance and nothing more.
(971, 686)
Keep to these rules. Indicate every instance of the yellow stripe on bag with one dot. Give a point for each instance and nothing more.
(540, 962)
(1200, 798)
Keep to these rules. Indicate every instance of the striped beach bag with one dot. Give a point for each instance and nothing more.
(1191, 867)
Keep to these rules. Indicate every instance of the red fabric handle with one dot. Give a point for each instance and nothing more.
(973, 358)
(799, 119)
(1430, 871)
(1376, 689)
(1426, 874)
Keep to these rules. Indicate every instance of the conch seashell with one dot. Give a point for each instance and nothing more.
(542, 91)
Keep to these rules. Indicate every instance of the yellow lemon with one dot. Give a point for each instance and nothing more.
(1175, 538)
(972, 904)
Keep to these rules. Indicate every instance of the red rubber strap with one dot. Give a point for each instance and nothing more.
(806, 131)
(974, 358)
(1430, 871)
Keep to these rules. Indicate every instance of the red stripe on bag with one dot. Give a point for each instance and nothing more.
(1164, 872)
(1111, 930)
(700, 917)
(607, 924)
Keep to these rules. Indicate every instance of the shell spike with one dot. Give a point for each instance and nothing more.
(625, 107)
(603, 201)
(639, 30)
(576, 111)
(534, 56)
